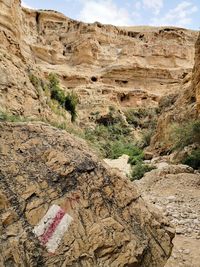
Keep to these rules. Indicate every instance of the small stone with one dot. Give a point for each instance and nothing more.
(193, 216)
(175, 215)
(189, 210)
(184, 215)
(171, 199)
(180, 230)
(148, 155)
(186, 251)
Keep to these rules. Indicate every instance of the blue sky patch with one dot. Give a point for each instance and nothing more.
(180, 13)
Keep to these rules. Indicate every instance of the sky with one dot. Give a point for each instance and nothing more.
(181, 13)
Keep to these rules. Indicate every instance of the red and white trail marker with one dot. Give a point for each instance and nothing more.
(52, 227)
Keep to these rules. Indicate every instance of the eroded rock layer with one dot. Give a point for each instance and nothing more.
(179, 107)
(104, 64)
(196, 74)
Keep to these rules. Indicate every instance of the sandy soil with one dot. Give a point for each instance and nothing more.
(175, 190)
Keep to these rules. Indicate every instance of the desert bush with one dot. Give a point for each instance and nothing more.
(111, 118)
(37, 83)
(53, 80)
(141, 117)
(56, 92)
(5, 116)
(132, 118)
(34, 80)
(110, 140)
(193, 160)
(119, 148)
(71, 101)
(146, 138)
(185, 134)
(113, 141)
(139, 170)
(167, 101)
(58, 95)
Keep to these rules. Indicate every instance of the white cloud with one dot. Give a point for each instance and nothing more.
(180, 16)
(105, 11)
(155, 5)
(25, 5)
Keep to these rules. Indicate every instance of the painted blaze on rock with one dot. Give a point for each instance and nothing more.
(52, 227)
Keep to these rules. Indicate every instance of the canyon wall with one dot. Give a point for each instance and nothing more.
(104, 64)
(185, 108)
(196, 74)
(60, 205)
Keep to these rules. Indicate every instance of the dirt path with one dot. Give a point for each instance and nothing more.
(176, 191)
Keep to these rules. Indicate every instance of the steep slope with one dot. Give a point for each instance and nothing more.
(111, 225)
(17, 93)
(184, 109)
(196, 74)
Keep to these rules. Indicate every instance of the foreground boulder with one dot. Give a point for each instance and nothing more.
(60, 206)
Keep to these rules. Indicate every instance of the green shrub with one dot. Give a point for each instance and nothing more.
(117, 148)
(139, 170)
(142, 117)
(71, 101)
(132, 117)
(4, 116)
(167, 101)
(53, 80)
(62, 126)
(146, 138)
(193, 160)
(58, 95)
(146, 120)
(186, 134)
(113, 117)
(112, 140)
(56, 92)
(34, 80)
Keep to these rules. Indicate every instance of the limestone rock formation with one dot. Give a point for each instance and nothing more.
(180, 107)
(104, 64)
(196, 74)
(42, 166)
(59, 205)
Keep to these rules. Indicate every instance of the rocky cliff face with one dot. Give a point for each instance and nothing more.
(60, 206)
(43, 168)
(196, 74)
(105, 65)
(184, 107)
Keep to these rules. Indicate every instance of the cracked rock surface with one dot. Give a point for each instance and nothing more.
(112, 226)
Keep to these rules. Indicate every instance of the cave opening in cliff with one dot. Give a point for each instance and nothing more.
(121, 81)
(94, 79)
